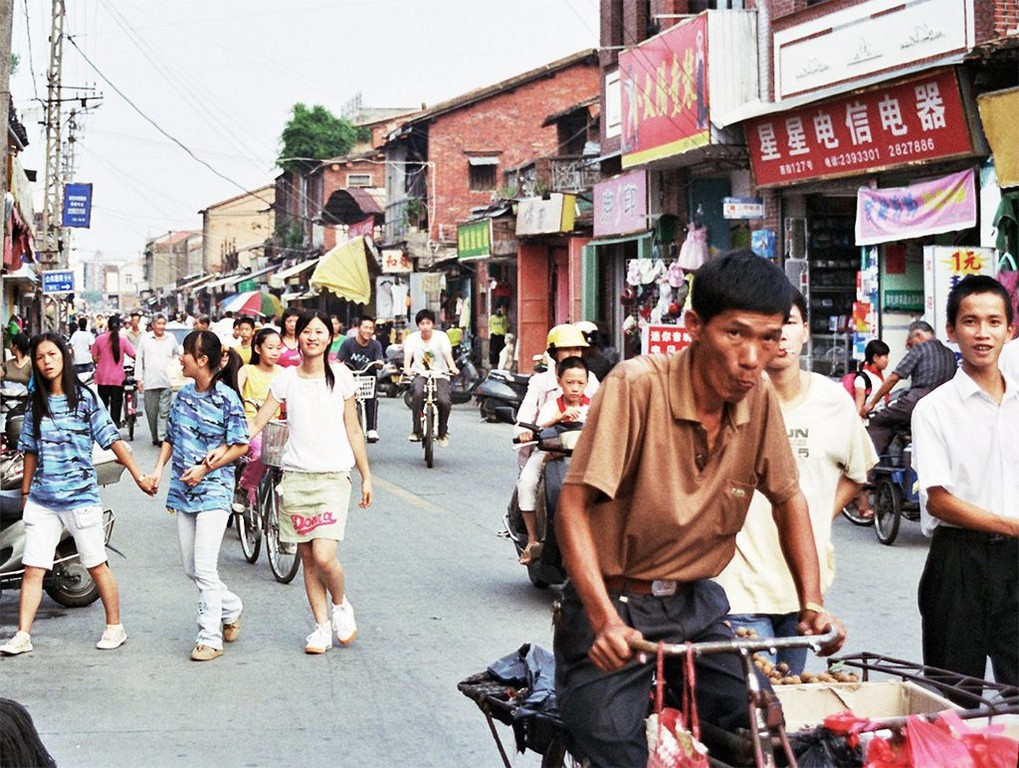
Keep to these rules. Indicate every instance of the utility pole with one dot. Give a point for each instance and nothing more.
(6, 25)
(51, 255)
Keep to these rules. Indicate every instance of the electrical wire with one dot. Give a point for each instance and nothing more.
(31, 65)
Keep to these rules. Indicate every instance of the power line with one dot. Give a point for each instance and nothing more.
(31, 64)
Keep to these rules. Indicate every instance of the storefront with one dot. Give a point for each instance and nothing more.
(487, 254)
(864, 183)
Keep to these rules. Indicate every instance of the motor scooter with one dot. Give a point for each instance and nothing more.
(557, 443)
(388, 382)
(501, 388)
(68, 582)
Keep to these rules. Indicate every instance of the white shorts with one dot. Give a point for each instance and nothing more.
(43, 528)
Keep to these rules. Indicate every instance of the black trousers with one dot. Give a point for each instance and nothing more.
(883, 424)
(604, 713)
(417, 395)
(969, 604)
(496, 342)
(113, 398)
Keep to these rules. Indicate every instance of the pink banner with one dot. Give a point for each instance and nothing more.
(902, 213)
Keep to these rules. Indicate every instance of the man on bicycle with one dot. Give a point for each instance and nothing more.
(660, 482)
(358, 352)
(428, 349)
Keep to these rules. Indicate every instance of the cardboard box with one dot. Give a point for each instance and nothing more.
(808, 704)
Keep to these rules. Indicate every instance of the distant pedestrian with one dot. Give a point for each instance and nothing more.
(154, 358)
(206, 414)
(109, 352)
(253, 381)
(133, 331)
(357, 354)
(290, 355)
(18, 370)
(81, 345)
(203, 323)
(324, 443)
(60, 488)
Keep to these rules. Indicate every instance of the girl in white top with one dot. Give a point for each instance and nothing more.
(325, 441)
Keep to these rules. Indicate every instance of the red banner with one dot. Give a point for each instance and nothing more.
(920, 119)
(664, 83)
(363, 228)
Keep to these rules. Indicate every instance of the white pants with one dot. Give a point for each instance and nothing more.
(200, 537)
(527, 482)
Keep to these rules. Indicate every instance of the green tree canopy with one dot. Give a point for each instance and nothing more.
(313, 133)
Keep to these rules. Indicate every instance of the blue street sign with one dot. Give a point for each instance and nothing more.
(58, 281)
(77, 205)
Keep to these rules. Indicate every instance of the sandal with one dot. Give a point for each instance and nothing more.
(865, 514)
(531, 553)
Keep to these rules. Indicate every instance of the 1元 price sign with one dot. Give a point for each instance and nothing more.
(919, 119)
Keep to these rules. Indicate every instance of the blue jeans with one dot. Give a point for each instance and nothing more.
(775, 625)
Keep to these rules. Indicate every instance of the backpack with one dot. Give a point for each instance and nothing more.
(849, 382)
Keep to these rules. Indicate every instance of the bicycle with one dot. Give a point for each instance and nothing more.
(130, 400)
(430, 414)
(283, 559)
(366, 384)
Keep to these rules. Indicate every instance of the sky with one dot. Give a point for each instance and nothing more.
(221, 76)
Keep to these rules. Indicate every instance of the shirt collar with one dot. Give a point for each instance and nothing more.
(966, 387)
(681, 397)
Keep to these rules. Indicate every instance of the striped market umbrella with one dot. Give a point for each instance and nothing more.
(252, 303)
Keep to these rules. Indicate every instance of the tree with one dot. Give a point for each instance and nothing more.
(313, 134)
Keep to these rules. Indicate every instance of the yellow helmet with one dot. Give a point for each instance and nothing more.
(565, 335)
(589, 329)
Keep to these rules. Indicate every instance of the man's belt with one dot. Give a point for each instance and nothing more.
(658, 587)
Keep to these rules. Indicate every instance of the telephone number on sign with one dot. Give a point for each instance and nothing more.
(852, 158)
(914, 147)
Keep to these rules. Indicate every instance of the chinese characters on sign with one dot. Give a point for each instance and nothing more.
(943, 267)
(665, 93)
(919, 119)
(394, 262)
(77, 206)
(663, 339)
(620, 205)
(474, 240)
(929, 208)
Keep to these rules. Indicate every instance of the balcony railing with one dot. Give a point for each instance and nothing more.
(401, 216)
(553, 174)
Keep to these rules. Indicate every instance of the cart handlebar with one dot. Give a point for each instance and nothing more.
(740, 646)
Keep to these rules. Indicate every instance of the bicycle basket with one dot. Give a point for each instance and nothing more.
(274, 437)
(365, 387)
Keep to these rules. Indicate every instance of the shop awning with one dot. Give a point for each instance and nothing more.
(23, 274)
(192, 284)
(998, 111)
(343, 271)
(235, 278)
(279, 279)
(349, 206)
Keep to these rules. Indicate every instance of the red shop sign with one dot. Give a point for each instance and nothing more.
(920, 119)
(664, 339)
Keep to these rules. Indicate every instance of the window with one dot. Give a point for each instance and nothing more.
(482, 173)
(359, 180)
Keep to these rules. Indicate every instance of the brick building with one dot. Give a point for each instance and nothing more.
(447, 162)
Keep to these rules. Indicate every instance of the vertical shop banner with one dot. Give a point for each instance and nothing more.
(474, 240)
(946, 204)
(665, 94)
(620, 205)
(943, 267)
(920, 119)
(77, 206)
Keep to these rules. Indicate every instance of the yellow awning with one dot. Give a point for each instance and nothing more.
(344, 271)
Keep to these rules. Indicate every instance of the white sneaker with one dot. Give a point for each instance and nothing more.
(319, 641)
(443, 441)
(113, 637)
(20, 643)
(372, 436)
(343, 622)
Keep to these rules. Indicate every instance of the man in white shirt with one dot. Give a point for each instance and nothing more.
(963, 438)
(81, 345)
(154, 357)
(428, 349)
(1009, 360)
(833, 453)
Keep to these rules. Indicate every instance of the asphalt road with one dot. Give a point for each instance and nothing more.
(437, 595)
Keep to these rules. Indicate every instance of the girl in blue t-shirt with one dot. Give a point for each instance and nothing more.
(205, 414)
(60, 489)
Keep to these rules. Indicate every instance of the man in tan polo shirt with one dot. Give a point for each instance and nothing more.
(660, 483)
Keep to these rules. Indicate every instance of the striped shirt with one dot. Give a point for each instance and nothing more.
(65, 478)
(927, 365)
(200, 421)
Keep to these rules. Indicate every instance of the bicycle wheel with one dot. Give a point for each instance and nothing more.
(249, 528)
(283, 559)
(887, 511)
(429, 434)
(130, 427)
(852, 514)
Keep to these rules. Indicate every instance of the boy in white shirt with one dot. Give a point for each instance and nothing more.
(428, 349)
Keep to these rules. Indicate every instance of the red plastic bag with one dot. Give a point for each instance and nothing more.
(676, 735)
(987, 746)
(883, 753)
(932, 745)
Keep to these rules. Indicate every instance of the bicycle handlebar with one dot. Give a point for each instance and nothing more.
(749, 645)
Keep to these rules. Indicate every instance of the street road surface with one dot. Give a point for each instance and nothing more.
(437, 594)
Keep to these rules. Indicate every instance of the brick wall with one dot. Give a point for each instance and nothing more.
(507, 126)
(1006, 16)
(335, 176)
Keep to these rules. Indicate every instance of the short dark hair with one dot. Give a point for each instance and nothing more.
(570, 362)
(875, 348)
(82, 323)
(801, 304)
(973, 284)
(366, 319)
(21, 342)
(136, 313)
(424, 314)
(204, 320)
(740, 280)
(244, 320)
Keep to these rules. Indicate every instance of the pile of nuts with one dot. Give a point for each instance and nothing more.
(778, 674)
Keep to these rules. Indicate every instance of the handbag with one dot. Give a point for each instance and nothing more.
(674, 735)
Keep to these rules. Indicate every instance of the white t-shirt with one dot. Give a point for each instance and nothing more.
(318, 439)
(1009, 360)
(963, 441)
(828, 440)
(433, 352)
(81, 345)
